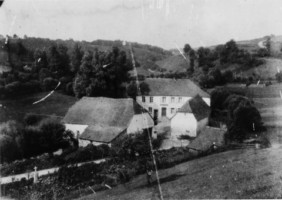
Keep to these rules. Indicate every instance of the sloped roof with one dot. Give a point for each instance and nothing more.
(207, 137)
(174, 87)
(106, 117)
(101, 134)
(105, 112)
(197, 106)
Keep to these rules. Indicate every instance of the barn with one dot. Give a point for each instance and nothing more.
(103, 120)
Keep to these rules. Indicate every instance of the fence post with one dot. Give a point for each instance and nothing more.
(35, 175)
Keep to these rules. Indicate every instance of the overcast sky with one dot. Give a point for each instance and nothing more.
(157, 22)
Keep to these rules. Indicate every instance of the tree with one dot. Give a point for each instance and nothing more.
(103, 74)
(187, 48)
(82, 79)
(40, 58)
(76, 57)
(132, 90)
(53, 136)
(8, 149)
(192, 56)
(49, 84)
(279, 77)
(144, 88)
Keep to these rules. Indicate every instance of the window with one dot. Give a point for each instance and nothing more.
(151, 99)
(172, 99)
(179, 99)
(163, 111)
(172, 110)
(150, 110)
(143, 99)
(163, 99)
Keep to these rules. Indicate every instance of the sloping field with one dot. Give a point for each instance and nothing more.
(267, 70)
(57, 104)
(248, 173)
(174, 63)
(270, 110)
(254, 91)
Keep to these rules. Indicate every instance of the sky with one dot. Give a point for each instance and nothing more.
(164, 23)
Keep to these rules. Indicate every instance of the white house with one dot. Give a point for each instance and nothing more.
(166, 96)
(191, 118)
(103, 120)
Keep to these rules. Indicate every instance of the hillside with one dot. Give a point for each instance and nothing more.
(175, 63)
(243, 174)
(143, 53)
(57, 104)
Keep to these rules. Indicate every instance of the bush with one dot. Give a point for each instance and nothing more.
(49, 84)
(32, 119)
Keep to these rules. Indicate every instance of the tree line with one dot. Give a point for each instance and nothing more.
(81, 73)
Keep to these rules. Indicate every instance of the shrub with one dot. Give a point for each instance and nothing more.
(32, 119)
(49, 84)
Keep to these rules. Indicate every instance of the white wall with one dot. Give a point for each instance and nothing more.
(76, 128)
(140, 122)
(183, 124)
(169, 104)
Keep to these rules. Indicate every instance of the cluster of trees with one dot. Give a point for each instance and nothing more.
(35, 137)
(210, 62)
(103, 74)
(91, 73)
(238, 112)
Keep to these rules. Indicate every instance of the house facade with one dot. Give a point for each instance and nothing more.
(166, 96)
(191, 118)
(104, 120)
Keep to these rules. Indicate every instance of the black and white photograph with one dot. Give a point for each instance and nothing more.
(140, 99)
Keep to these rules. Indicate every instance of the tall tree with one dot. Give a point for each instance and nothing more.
(187, 48)
(76, 57)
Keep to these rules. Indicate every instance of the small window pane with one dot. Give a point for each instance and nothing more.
(143, 99)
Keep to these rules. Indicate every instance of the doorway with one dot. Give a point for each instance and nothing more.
(163, 112)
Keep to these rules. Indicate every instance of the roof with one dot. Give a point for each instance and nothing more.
(101, 134)
(174, 87)
(207, 137)
(103, 111)
(197, 106)
(106, 117)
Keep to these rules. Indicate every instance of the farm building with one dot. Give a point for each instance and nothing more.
(191, 118)
(166, 96)
(207, 137)
(104, 120)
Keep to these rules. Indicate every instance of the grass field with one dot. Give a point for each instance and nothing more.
(270, 110)
(267, 70)
(248, 173)
(57, 104)
(174, 63)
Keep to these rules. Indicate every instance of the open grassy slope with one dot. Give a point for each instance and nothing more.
(267, 70)
(57, 104)
(249, 173)
(175, 63)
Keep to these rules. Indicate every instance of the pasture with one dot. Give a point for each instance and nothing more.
(246, 173)
(15, 109)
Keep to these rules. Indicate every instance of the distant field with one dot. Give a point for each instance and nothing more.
(57, 104)
(266, 99)
(270, 110)
(174, 63)
(238, 174)
(254, 91)
(267, 70)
